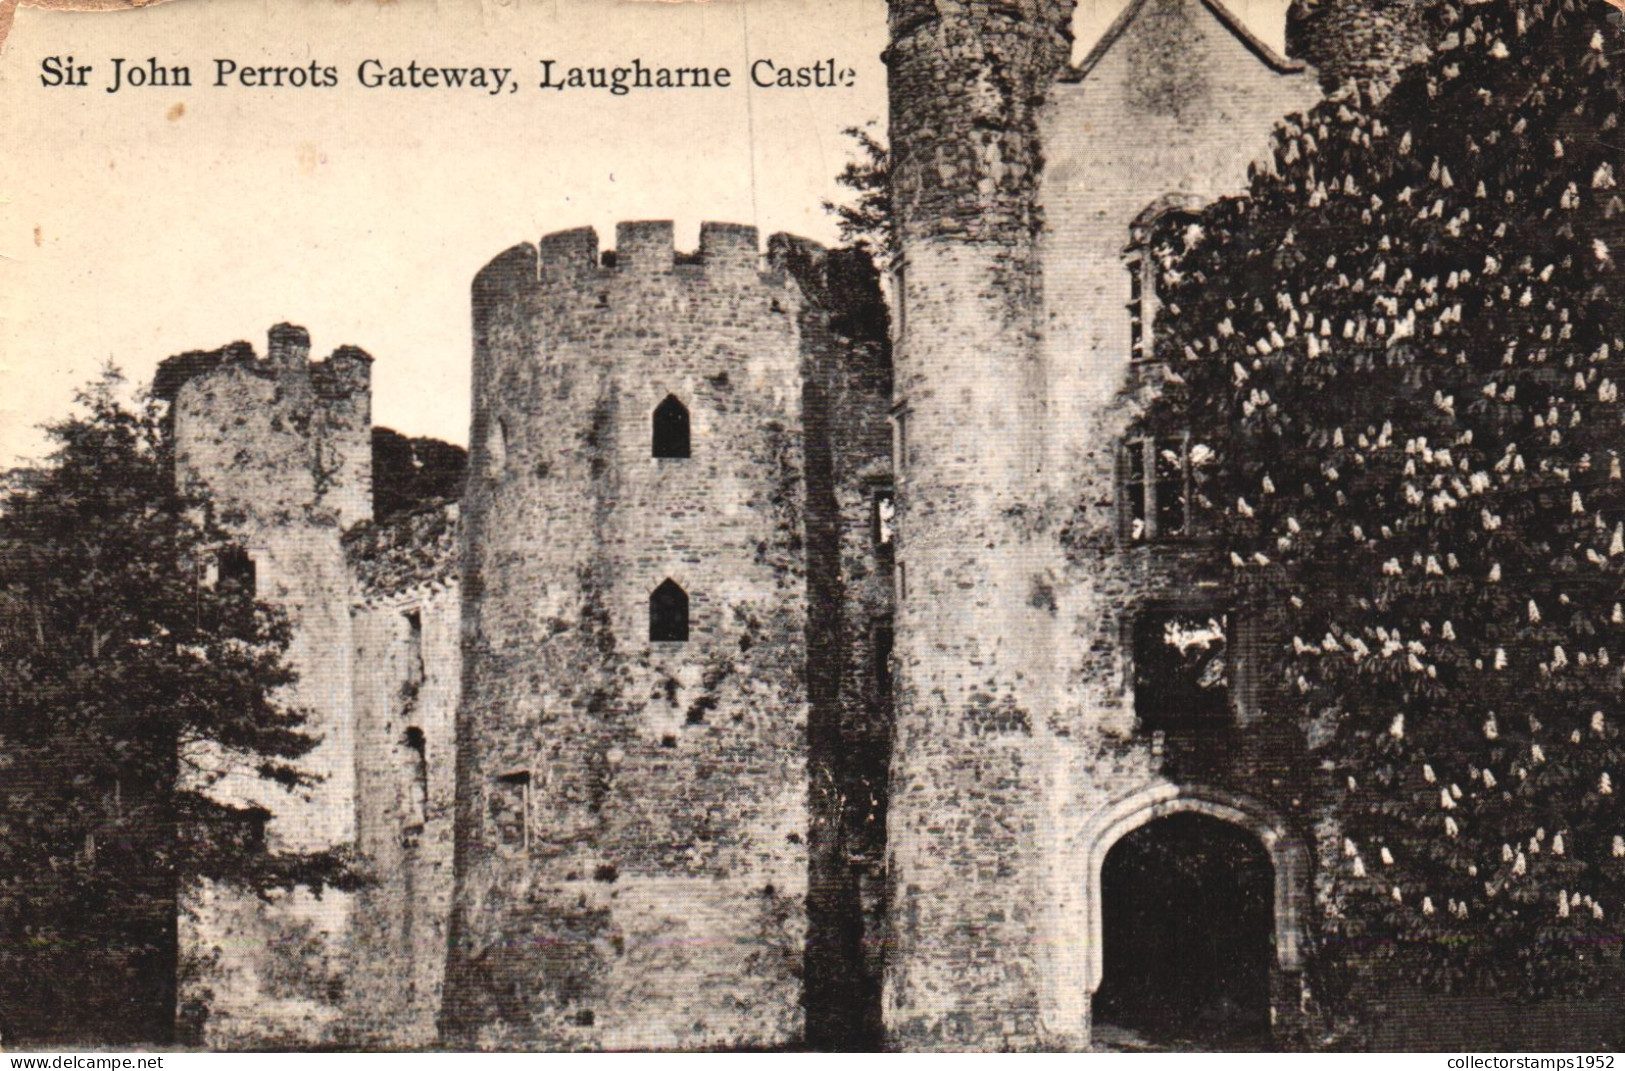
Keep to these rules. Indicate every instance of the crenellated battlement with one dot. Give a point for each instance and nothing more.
(278, 436)
(644, 249)
(346, 373)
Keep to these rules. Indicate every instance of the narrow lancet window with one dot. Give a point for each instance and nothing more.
(671, 431)
(668, 614)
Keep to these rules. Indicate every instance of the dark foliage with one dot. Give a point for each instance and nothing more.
(128, 686)
(408, 472)
(1400, 357)
(866, 220)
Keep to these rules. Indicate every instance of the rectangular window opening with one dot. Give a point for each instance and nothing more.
(884, 641)
(414, 648)
(1171, 492)
(1137, 310)
(510, 809)
(1134, 490)
(1156, 491)
(883, 515)
(1182, 669)
(417, 799)
(236, 567)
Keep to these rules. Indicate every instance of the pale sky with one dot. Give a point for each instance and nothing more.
(152, 221)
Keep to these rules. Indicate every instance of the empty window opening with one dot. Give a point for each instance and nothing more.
(496, 449)
(417, 789)
(899, 419)
(902, 581)
(1139, 310)
(671, 431)
(668, 613)
(1156, 488)
(510, 809)
(414, 649)
(884, 518)
(1181, 668)
(237, 568)
(884, 640)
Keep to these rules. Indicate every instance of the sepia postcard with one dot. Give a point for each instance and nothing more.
(833, 525)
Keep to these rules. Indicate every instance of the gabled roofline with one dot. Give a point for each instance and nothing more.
(1268, 55)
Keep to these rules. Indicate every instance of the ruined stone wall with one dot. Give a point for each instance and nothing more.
(407, 623)
(280, 449)
(631, 859)
(1172, 113)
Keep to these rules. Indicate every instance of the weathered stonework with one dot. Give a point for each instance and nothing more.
(407, 623)
(867, 793)
(1367, 43)
(1019, 760)
(632, 813)
(280, 448)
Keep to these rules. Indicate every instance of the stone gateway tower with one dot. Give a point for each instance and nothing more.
(654, 595)
(1074, 703)
(789, 674)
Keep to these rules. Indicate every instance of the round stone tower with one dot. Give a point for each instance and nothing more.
(280, 448)
(967, 82)
(1366, 42)
(631, 781)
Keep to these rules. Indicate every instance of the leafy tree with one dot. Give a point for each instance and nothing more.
(129, 684)
(1399, 358)
(408, 473)
(865, 222)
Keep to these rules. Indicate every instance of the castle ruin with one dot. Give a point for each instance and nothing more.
(784, 675)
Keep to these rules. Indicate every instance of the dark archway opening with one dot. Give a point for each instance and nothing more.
(1188, 913)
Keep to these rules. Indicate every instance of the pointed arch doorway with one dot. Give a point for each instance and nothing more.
(1188, 925)
(1195, 903)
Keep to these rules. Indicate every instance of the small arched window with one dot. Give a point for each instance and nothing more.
(671, 428)
(668, 614)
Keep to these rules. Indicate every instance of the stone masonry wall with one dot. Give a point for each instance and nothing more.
(407, 623)
(1171, 113)
(631, 858)
(1016, 734)
(280, 449)
(964, 823)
